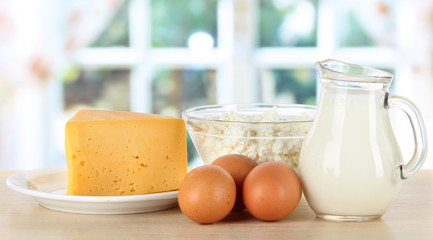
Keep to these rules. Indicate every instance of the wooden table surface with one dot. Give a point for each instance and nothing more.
(410, 217)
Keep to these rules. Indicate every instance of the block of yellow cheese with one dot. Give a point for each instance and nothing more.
(112, 153)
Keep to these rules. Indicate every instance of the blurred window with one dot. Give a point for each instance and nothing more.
(289, 86)
(287, 23)
(174, 22)
(174, 90)
(99, 89)
(369, 24)
(163, 56)
(117, 32)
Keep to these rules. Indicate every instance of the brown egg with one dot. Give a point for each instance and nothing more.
(238, 166)
(207, 194)
(272, 190)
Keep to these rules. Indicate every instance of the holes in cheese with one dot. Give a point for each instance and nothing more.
(112, 153)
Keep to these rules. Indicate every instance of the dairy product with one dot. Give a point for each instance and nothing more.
(273, 139)
(349, 160)
(113, 153)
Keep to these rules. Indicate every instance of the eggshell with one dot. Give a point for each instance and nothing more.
(272, 190)
(238, 166)
(207, 194)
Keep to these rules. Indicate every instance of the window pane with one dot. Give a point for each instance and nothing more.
(368, 24)
(287, 23)
(116, 34)
(101, 89)
(173, 22)
(289, 86)
(175, 90)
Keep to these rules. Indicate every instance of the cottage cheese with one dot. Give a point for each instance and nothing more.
(262, 142)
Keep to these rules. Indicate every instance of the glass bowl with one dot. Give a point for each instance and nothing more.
(262, 132)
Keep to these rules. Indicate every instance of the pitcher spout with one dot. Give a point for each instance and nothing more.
(332, 69)
(319, 68)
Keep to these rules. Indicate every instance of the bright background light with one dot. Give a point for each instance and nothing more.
(200, 42)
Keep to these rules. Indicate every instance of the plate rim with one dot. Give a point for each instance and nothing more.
(12, 183)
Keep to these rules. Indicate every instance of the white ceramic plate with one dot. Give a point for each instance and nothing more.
(48, 187)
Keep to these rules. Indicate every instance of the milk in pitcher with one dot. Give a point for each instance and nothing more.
(350, 163)
(352, 154)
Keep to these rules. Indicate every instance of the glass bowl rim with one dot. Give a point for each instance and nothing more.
(186, 114)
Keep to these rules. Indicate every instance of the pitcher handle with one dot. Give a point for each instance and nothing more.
(419, 133)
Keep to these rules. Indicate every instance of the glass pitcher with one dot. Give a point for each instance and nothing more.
(350, 163)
